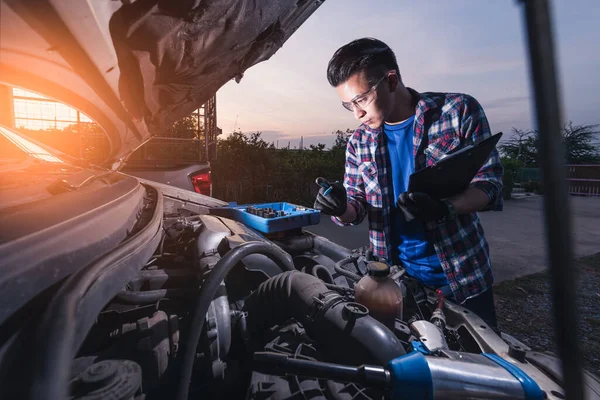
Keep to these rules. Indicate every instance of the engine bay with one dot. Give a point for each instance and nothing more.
(290, 295)
(193, 304)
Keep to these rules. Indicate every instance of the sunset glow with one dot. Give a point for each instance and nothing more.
(36, 112)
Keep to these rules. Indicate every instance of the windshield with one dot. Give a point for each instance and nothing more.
(14, 147)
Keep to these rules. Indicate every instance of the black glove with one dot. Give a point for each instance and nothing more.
(422, 206)
(332, 198)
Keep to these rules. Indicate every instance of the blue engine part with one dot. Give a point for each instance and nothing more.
(416, 376)
(531, 389)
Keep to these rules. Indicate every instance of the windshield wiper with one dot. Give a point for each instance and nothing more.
(75, 181)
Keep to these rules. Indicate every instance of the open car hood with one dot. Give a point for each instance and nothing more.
(136, 66)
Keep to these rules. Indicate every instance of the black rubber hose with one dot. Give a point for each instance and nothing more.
(340, 289)
(152, 296)
(296, 243)
(338, 267)
(328, 248)
(281, 297)
(321, 272)
(333, 322)
(208, 291)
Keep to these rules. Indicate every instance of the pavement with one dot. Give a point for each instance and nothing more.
(516, 235)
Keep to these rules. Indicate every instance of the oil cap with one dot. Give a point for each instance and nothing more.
(376, 268)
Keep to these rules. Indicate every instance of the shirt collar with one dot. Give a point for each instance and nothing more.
(422, 103)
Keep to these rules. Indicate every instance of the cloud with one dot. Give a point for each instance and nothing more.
(504, 102)
(439, 47)
(453, 66)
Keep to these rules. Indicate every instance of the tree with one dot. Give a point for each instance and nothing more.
(520, 147)
(580, 141)
(341, 139)
(511, 170)
(318, 148)
(93, 143)
(186, 128)
(83, 128)
(256, 141)
(245, 160)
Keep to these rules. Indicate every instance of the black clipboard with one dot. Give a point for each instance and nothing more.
(453, 173)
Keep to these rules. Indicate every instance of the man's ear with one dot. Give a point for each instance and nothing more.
(393, 82)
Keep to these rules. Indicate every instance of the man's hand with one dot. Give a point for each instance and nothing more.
(331, 199)
(421, 206)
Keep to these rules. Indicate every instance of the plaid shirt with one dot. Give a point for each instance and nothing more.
(447, 121)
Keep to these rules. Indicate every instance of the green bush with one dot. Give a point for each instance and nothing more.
(511, 169)
(250, 170)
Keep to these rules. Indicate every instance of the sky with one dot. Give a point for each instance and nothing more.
(476, 47)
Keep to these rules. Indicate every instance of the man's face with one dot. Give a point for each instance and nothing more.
(378, 102)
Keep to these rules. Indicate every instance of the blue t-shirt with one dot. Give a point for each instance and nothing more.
(415, 252)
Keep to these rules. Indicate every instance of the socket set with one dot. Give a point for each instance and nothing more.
(266, 212)
(270, 217)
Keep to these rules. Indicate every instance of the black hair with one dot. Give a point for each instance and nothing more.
(367, 54)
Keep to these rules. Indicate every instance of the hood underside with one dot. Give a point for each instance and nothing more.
(136, 66)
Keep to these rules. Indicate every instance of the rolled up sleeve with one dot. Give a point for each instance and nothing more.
(475, 128)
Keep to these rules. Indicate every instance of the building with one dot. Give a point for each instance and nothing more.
(74, 133)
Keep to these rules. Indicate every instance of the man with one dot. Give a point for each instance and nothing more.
(403, 131)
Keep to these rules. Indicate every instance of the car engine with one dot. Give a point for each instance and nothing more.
(139, 338)
(221, 311)
(290, 295)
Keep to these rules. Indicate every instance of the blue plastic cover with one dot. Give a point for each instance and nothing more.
(530, 387)
(411, 377)
(418, 346)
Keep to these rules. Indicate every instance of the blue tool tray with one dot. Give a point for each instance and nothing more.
(271, 217)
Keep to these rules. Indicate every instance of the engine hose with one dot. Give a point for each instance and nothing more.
(321, 272)
(296, 243)
(328, 248)
(346, 291)
(342, 328)
(207, 293)
(152, 296)
(338, 267)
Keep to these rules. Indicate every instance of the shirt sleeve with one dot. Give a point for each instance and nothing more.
(475, 128)
(354, 185)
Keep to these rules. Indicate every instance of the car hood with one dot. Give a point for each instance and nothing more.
(136, 66)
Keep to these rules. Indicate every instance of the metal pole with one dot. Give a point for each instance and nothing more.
(556, 201)
(213, 133)
(198, 134)
(208, 113)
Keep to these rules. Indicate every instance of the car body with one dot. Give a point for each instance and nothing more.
(195, 177)
(121, 287)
